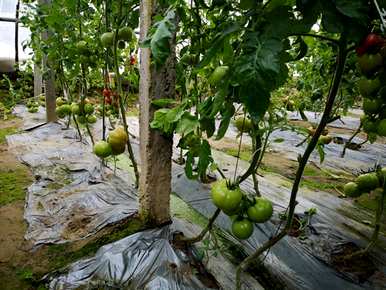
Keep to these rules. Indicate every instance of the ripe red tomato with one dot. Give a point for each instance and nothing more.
(106, 92)
(373, 40)
(108, 100)
(132, 60)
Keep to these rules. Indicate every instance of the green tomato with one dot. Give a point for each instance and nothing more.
(261, 211)
(243, 126)
(369, 126)
(60, 113)
(381, 128)
(75, 109)
(351, 189)
(102, 149)
(368, 63)
(125, 34)
(91, 119)
(367, 182)
(368, 87)
(118, 139)
(107, 39)
(88, 108)
(325, 139)
(81, 46)
(371, 106)
(121, 44)
(33, 109)
(60, 101)
(224, 198)
(81, 119)
(218, 74)
(242, 228)
(66, 109)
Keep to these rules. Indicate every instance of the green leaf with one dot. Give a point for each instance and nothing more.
(320, 149)
(357, 9)
(204, 158)
(162, 103)
(187, 124)
(218, 43)
(226, 115)
(159, 41)
(256, 101)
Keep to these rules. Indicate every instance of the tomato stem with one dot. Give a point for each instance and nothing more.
(340, 64)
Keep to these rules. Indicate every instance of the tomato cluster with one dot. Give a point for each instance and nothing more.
(115, 145)
(125, 34)
(63, 109)
(372, 86)
(32, 106)
(242, 210)
(365, 183)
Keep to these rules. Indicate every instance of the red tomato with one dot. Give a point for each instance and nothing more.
(360, 50)
(132, 60)
(373, 40)
(106, 92)
(108, 100)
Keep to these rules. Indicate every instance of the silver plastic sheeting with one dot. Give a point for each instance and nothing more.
(353, 160)
(297, 263)
(145, 260)
(71, 198)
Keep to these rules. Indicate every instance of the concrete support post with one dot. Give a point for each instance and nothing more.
(155, 148)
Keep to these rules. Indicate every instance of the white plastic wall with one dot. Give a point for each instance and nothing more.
(7, 37)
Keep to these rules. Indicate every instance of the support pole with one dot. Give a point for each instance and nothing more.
(155, 148)
(49, 78)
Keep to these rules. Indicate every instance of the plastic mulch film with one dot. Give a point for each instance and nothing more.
(70, 198)
(145, 260)
(305, 262)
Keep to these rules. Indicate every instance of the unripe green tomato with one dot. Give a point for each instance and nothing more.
(218, 74)
(368, 87)
(381, 128)
(102, 149)
(107, 39)
(88, 108)
(125, 34)
(224, 198)
(369, 63)
(371, 106)
(75, 109)
(91, 119)
(242, 228)
(261, 211)
(81, 46)
(351, 189)
(367, 182)
(121, 44)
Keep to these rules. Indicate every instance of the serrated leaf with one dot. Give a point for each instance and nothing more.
(218, 43)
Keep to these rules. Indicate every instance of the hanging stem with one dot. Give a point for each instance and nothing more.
(239, 149)
(208, 227)
(349, 140)
(121, 106)
(341, 59)
(77, 128)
